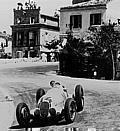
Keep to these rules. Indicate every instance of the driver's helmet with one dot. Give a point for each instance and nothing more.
(52, 83)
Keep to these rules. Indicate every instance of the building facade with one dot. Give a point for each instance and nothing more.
(26, 30)
(5, 45)
(79, 17)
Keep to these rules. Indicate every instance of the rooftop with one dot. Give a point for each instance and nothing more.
(31, 5)
(90, 3)
(35, 25)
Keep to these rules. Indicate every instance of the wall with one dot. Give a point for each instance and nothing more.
(25, 15)
(47, 35)
(65, 18)
(2, 40)
(48, 22)
(8, 49)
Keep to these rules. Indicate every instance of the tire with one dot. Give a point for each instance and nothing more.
(70, 110)
(40, 92)
(23, 114)
(79, 91)
(79, 97)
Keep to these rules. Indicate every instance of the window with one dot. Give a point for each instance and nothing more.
(95, 19)
(20, 37)
(18, 20)
(75, 21)
(32, 20)
(45, 20)
(31, 35)
(32, 39)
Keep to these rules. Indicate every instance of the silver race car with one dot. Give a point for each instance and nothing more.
(54, 105)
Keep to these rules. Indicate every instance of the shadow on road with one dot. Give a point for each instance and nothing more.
(39, 125)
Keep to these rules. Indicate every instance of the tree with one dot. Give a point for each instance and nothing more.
(52, 45)
(106, 39)
(96, 50)
(72, 57)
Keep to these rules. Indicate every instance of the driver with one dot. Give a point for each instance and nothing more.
(52, 83)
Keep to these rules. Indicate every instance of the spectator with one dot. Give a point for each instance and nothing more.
(52, 57)
(44, 57)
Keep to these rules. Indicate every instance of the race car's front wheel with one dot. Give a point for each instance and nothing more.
(40, 92)
(23, 114)
(79, 97)
(70, 110)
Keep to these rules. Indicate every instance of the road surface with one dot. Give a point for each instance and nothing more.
(102, 98)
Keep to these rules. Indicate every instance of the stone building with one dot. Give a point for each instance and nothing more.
(29, 28)
(5, 45)
(80, 16)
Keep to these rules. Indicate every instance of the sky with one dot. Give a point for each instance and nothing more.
(47, 7)
(6, 10)
(113, 11)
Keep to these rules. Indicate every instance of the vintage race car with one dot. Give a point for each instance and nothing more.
(54, 105)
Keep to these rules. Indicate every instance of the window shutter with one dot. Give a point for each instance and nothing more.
(80, 21)
(71, 22)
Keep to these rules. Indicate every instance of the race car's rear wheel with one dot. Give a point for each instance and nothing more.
(23, 114)
(79, 97)
(40, 92)
(70, 110)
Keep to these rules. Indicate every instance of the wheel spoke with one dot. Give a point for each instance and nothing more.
(24, 112)
(72, 111)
